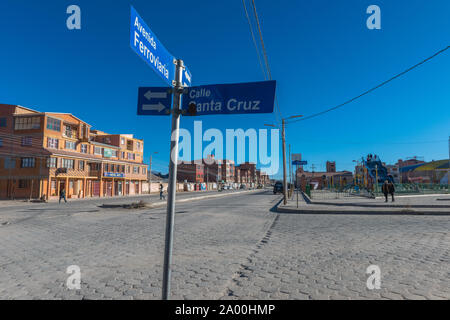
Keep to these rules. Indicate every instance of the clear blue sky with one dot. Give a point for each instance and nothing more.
(320, 52)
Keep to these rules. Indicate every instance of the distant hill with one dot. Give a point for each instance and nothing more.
(158, 176)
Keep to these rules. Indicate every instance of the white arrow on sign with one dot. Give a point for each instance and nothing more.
(157, 95)
(152, 107)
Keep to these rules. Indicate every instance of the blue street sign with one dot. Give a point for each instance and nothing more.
(238, 98)
(187, 78)
(144, 42)
(155, 101)
(299, 163)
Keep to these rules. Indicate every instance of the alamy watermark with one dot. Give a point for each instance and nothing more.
(234, 142)
(74, 280)
(374, 20)
(374, 280)
(73, 22)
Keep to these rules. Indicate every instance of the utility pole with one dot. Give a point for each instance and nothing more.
(175, 134)
(283, 136)
(150, 175)
(290, 168)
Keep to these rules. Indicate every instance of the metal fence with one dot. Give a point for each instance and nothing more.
(417, 188)
(329, 194)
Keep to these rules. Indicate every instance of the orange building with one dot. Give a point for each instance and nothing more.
(42, 153)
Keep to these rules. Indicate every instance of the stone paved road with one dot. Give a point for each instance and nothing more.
(231, 248)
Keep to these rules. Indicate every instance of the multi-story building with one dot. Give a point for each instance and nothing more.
(331, 166)
(248, 172)
(191, 172)
(228, 171)
(213, 169)
(326, 179)
(42, 153)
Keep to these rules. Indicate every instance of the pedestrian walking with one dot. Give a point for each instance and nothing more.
(161, 191)
(388, 189)
(62, 195)
(391, 189)
(385, 190)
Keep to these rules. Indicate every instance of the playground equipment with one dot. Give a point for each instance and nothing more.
(376, 171)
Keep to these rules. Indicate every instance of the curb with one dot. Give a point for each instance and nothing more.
(358, 212)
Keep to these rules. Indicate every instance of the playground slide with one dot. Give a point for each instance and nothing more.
(375, 165)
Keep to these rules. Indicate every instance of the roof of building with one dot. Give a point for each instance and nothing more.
(69, 114)
(433, 165)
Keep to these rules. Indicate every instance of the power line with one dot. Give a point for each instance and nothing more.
(369, 142)
(266, 60)
(374, 88)
(254, 40)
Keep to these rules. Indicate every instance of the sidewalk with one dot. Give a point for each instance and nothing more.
(407, 205)
(152, 198)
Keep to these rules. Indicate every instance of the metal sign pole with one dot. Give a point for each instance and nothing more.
(178, 90)
(283, 136)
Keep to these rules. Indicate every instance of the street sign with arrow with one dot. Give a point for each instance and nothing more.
(154, 101)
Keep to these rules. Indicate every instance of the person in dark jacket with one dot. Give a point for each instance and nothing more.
(62, 195)
(391, 190)
(161, 192)
(388, 188)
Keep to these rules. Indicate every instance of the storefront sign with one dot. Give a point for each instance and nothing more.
(113, 174)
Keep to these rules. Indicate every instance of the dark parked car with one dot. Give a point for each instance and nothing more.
(278, 187)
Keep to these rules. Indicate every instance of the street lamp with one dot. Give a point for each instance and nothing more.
(283, 138)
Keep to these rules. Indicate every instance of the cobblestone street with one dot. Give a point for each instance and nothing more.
(233, 247)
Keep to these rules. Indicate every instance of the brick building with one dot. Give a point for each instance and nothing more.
(320, 180)
(331, 166)
(44, 152)
(191, 172)
(247, 172)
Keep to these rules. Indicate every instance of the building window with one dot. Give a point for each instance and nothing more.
(138, 146)
(26, 141)
(53, 124)
(27, 162)
(131, 156)
(98, 151)
(23, 184)
(67, 163)
(135, 169)
(71, 145)
(2, 122)
(51, 162)
(27, 123)
(94, 166)
(68, 131)
(52, 143)
(128, 169)
(122, 140)
(144, 170)
(81, 165)
(84, 148)
(130, 145)
(10, 163)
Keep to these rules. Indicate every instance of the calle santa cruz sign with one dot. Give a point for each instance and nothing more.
(237, 98)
